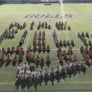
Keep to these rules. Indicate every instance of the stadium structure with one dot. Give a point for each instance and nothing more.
(42, 1)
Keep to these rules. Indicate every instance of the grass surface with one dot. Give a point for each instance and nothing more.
(81, 21)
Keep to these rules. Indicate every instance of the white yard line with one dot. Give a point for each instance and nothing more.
(65, 49)
(61, 49)
(7, 83)
(50, 32)
(57, 32)
(79, 82)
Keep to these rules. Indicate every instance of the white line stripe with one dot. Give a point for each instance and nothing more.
(7, 83)
(57, 49)
(61, 83)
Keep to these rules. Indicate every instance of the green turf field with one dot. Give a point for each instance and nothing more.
(80, 21)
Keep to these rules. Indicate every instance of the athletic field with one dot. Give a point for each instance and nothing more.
(79, 16)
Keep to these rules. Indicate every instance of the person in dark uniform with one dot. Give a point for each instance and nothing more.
(46, 76)
(42, 62)
(48, 62)
(52, 76)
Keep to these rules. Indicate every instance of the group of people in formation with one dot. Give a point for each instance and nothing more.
(62, 26)
(13, 28)
(66, 55)
(86, 53)
(15, 56)
(69, 56)
(84, 37)
(45, 25)
(23, 37)
(10, 32)
(62, 43)
(28, 76)
(39, 43)
(11, 55)
(37, 60)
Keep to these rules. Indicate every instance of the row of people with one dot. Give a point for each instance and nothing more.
(62, 26)
(83, 34)
(17, 59)
(26, 77)
(39, 36)
(39, 43)
(7, 60)
(37, 60)
(64, 43)
(83, 37)
(6, 56)
(43, 25)
(12, 50)
(40, 25)
(66, 55)
(40, 49)
(86, 54)
(8, 34)
(22, 39)
(17, 25)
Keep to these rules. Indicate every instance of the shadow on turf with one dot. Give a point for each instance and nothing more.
(25, 84)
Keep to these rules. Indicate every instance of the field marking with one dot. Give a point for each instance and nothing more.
(90, 82)
(7, 83)
(51, 32)
(62, 49)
